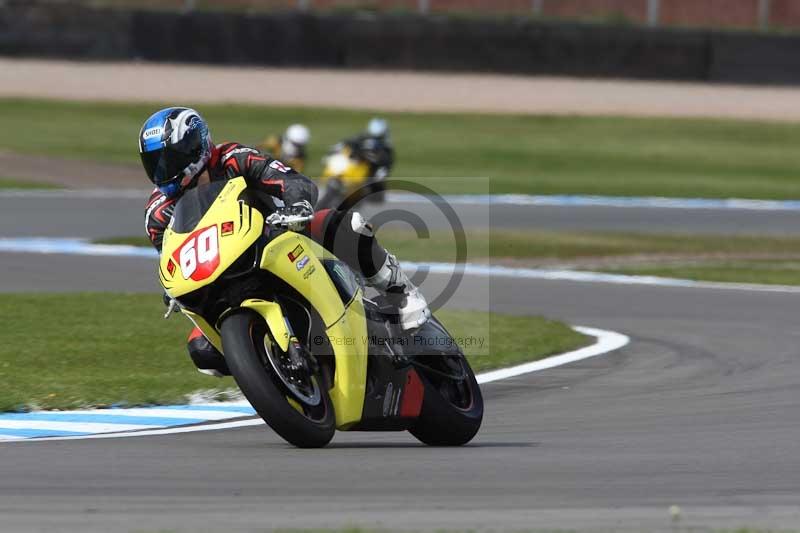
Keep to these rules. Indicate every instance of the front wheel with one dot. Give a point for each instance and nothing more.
(452, 409)
(290, 400)
(332, 195)
(376, 191)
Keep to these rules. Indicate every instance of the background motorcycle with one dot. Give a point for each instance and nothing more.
(346, 176)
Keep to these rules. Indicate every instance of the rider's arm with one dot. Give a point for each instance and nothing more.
(270, 175)
(158, 212)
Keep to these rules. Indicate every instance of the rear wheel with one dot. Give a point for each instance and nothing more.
(291, 400)
(452, 409)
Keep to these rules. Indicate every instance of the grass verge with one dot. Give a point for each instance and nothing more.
(99, 349)
(525, 154)
(9, 183)
(756, 271)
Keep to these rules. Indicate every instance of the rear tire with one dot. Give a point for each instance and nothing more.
(243, 342)
(442, 422)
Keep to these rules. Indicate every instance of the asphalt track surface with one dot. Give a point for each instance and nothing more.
(701, 410)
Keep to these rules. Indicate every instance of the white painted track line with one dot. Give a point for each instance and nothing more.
(78, 427)
(607, 341)
(147, 412)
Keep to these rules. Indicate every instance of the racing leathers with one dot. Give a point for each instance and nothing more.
(344, 233)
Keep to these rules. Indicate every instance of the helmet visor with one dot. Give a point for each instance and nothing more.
(169, 162)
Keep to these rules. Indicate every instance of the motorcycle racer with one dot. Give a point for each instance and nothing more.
(373, 146)
(177, 154)
(289, 147)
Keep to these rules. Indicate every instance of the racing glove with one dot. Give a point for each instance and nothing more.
(302, 208)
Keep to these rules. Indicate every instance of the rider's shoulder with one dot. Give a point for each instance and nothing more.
(156, 198)
(230, 149)
(232, 154)
(228, 146)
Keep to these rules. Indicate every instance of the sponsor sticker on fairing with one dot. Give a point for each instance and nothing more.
(302, 263)
(226, 228)
(294, 254)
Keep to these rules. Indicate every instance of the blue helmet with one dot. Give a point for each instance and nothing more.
(175, 146)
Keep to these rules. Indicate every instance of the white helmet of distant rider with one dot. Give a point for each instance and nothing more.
(295, 140)
(378, 127)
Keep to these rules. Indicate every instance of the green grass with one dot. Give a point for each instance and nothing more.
(571, 246)
(526, 154)
(126, 241)
(9, 183)
(508, 340)
(522, 244)
(756, 271)
(99, 349)
(72, 350)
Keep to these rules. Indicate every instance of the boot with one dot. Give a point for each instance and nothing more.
(205, 357)
(391, 280)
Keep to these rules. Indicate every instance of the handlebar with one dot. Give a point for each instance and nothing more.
(277, 220)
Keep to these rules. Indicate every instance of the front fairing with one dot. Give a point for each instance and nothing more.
(212, 226)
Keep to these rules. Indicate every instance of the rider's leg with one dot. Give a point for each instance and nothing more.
(352, 240)
(206, 358)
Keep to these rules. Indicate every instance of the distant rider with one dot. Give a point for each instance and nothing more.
(373, 146)
(177, 154)
(289, 147)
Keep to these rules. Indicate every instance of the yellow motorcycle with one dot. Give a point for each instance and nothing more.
(347, 179)
(309, 351)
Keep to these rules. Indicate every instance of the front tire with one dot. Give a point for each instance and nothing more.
(246, 344)
(452, 412)
(332, 195)
(377, 191)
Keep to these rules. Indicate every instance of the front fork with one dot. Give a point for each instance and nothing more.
(282, 332)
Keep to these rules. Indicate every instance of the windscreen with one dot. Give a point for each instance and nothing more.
(194, 204)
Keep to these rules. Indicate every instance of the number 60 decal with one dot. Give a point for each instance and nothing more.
(198, 256)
